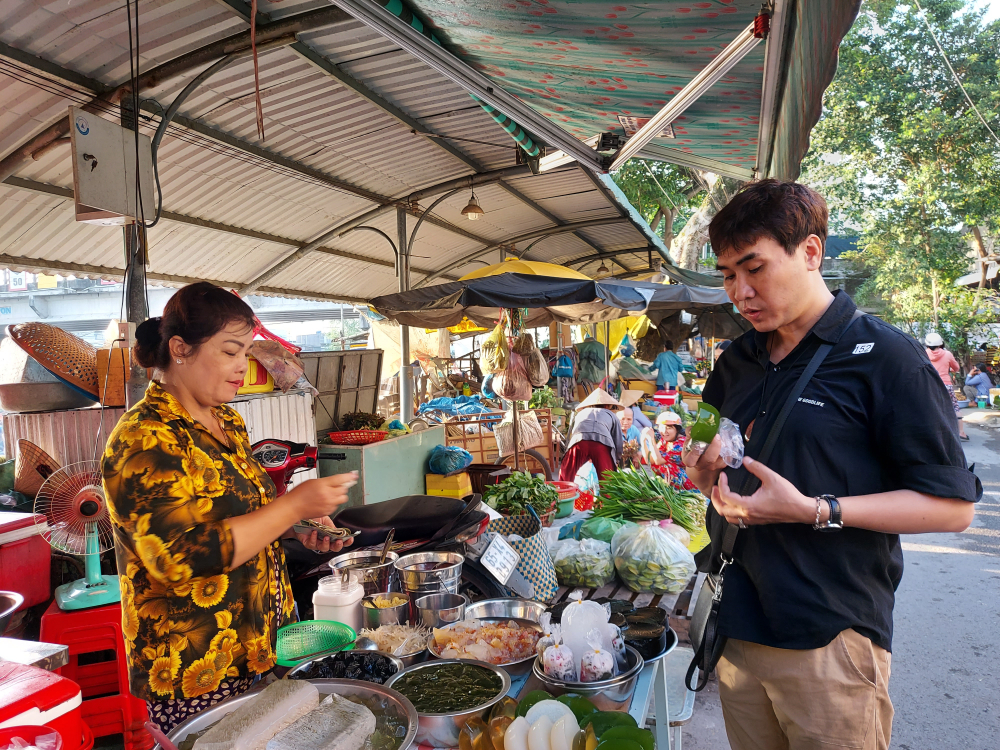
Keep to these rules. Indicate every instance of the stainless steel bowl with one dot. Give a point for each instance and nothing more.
(517, 609)
(608, 695)
(443, 730)
(10, 601)
(396, 702)
(374, 617)
(440, 610)
(520, 667)
(300, 668)
(374, 576)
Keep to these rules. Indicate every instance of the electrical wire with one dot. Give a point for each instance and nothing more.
(923, 17)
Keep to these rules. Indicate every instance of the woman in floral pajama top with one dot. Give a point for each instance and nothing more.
(197, 524)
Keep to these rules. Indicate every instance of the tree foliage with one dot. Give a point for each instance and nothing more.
(906, 164)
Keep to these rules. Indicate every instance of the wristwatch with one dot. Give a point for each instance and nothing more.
(835, 522)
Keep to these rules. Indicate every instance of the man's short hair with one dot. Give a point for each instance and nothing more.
(668, 345)
(786, 212)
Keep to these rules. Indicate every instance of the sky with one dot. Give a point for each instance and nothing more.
(992, 9)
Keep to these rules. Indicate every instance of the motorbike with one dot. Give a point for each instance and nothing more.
(422, 523)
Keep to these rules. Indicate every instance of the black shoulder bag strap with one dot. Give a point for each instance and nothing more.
(708, 644)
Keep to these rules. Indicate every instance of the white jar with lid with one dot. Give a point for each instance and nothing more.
(338, 598)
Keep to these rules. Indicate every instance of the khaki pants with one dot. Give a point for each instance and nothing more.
(783, 699)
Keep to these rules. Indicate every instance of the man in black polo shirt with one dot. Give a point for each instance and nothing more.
(871, 445)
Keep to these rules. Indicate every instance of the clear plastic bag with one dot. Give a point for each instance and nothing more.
(285, 367)
(550, 634)
(493, 352)
(732, 443)
(40, 742)
(586, 479)
(595, 663)
(650, 560)
(558, 663)
(535, 364)
(583, 563)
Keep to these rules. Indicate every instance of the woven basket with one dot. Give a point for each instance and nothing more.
(358, 437)
(68, 357)
(34, 466)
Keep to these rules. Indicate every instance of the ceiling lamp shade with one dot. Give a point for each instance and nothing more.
(603, 268)
(473, 211)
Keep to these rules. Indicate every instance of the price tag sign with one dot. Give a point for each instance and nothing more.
(500, 559)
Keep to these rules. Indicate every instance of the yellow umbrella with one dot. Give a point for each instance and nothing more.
(536, 268)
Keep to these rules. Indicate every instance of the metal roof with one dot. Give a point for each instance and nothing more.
(352, 123)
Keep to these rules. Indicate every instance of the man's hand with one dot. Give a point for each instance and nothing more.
(775, 501)
(704, 470)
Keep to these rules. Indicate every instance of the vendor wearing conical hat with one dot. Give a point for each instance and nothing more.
(596, 436)
(630, 399)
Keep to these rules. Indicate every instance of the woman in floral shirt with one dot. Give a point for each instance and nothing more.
(197, 525)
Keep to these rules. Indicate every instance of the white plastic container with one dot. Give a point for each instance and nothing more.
(339, 599)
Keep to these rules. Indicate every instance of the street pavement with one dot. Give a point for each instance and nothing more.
(946, 648)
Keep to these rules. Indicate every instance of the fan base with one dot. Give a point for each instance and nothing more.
(78, 595)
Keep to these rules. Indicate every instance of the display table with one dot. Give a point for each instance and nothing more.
(48, 656)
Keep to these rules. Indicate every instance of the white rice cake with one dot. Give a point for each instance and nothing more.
(251, 725)
(338, 724)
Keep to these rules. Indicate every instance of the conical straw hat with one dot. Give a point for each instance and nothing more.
(600, 397)
(630, 397)
(34, 466)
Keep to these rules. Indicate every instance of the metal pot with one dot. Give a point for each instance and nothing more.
(508, 609)
(608, 695)
(443, 730)
(374, 577)
(420, 575)
(375, 617)
(438, 610)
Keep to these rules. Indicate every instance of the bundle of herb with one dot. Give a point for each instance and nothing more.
(544, 398)
(514, 494)
(637, 496)
(360, 420)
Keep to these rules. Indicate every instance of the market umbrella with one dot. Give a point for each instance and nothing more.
(532, 267)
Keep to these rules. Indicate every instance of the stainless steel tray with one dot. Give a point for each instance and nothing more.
(212, 715)
(514, 668)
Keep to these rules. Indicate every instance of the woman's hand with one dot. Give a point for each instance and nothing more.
(320, 497)
(320, 544)
(704, 470)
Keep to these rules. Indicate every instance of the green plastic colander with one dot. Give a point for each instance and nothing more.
(306, 640)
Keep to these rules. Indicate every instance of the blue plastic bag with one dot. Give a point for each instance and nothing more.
(448, 459)
(563, 368)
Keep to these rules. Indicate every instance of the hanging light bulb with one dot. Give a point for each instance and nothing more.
(473, 211)
(603, 268)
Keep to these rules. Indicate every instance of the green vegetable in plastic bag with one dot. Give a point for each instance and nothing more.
(582, 563)
(493, 352)
(602, 529)
(649, 559)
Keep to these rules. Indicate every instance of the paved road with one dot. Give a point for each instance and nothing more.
(946, 654)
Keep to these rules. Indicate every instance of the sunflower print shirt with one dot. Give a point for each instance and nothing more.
(190, 619)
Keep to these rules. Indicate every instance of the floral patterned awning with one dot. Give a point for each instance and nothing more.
(600, 65)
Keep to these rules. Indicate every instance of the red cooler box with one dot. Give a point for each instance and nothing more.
(24, 558)
(30, 696)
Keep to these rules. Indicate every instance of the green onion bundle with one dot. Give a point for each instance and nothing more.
(637, 496)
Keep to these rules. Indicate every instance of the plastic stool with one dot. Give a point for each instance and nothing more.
(97, 663)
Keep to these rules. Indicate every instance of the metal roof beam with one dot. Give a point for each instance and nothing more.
(482, 88)
(61, 192)
(519, 238)
(607, 255)
(209, 53)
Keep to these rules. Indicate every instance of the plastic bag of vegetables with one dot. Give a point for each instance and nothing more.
(493, 352)
(582, 563)
(649, 559)
(602, 529)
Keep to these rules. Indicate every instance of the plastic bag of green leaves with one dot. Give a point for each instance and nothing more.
(602, 529)
(649, 559)
(582, 563)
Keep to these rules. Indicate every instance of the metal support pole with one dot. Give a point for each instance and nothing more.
(607, 354)
(517, 456)
(136, 259)
(342, 340)
(405, 371)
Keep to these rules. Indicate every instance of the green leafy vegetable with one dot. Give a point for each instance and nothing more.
(514, 494)
(637, 496)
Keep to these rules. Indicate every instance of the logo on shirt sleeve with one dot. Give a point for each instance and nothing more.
(863, 348)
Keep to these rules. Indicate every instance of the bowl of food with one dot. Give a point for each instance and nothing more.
(385, 608)
(439, 610)
(613, 694)
(501, 641)
(306, 715)
(408, 643)
(369, 666)
(447, 694)
(511, 609)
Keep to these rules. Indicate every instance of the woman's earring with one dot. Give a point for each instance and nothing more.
(179, 362)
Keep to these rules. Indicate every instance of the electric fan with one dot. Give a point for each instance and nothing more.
(76, 513)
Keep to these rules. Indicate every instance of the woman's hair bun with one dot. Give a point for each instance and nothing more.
(148, 340)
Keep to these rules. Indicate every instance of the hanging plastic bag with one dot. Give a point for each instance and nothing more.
(512, 384)
(529, 432)
(564, 367)
(494, 352)
(650, 560)
(583, 563)
(534, 361)
(595, 663)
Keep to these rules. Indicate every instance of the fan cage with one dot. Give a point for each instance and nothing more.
(59, 500)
